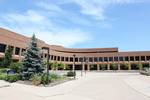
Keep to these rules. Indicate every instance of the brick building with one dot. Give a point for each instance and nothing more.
(85, 59)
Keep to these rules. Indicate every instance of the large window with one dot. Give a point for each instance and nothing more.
(147, 58)
(100, 59)
(76, 59)
(66, 59)
(126, 58)
(115, 58)
(80, 59)
(17, 51)
(71, 59)
(2, 48)
(132, 58)
(95, 59)
(105, 59)
(58, 58)
(110, 58)
(142, 58)
(90, 59)
(137, 58)
(120, 58)
(62, 58)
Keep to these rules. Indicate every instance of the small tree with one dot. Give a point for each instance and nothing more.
(126, 66)
(114, 66)
(32, 62)
(8, 57)
(54, 65)
(60, 65)
(103, 67)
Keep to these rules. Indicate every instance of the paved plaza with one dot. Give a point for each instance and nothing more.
(92, 86)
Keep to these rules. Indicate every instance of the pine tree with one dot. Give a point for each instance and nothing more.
(32, 62)
(8, 57)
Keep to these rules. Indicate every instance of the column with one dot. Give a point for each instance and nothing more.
(141, 66)
(14, 50)
(129, 66)
(83, 67)
(118, 66)
(98, 67)
(73, 67)
(64, 66)
(88, 67)
(108, 66)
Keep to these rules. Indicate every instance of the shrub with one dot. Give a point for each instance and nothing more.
(54, 77)
(44, 80)
(12, 77)
(104, 67)
(16, 67)
(3, 76)
(71, 74)
(114, 67)
(36, 79)
(4, 70)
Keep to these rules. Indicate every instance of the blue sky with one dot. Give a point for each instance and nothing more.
(81, 23)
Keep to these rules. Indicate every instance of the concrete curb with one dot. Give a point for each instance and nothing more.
(139, 85)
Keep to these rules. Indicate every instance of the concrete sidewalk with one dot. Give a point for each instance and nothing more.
(140, 83)
(4, 84)
(92, 86)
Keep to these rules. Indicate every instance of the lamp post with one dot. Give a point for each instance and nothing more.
(82, 66)
(86, 62)
(48, 58)
(74, 65)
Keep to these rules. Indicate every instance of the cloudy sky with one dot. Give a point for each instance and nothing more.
(81, 23)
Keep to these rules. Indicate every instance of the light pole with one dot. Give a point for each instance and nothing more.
(82, 66)
(74, 66)
(48, 58)
(86, 62)
(149, 64)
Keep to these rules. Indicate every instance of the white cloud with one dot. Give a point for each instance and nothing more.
(34, 22)
(97, 8)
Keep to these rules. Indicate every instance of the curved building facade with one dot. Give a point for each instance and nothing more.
(84, 59)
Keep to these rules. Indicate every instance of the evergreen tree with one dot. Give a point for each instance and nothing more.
(8, 57)
(32, 62)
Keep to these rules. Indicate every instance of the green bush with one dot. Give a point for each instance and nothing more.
(44, 80)
(3, 76)
(16, 67)
(36, 79)
(71, 74)
(114, 67)
(12, 77)
(3, 70)
(104, 67)
(54, 77)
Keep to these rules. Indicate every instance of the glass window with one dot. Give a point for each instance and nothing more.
(115, 58)
(142, 58)
(120, 58)
(71, 59)
(80, 59)
(147, 58)
(58, 58)
(137, 58)
(66, 58)
(62, 58)
(105, 58)
(2, 48)
(110, 58)
(90, 59)
(100, 59)
(131, 58)
(126, 58)
(95, 59)
(76, 59)
(17, 51)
